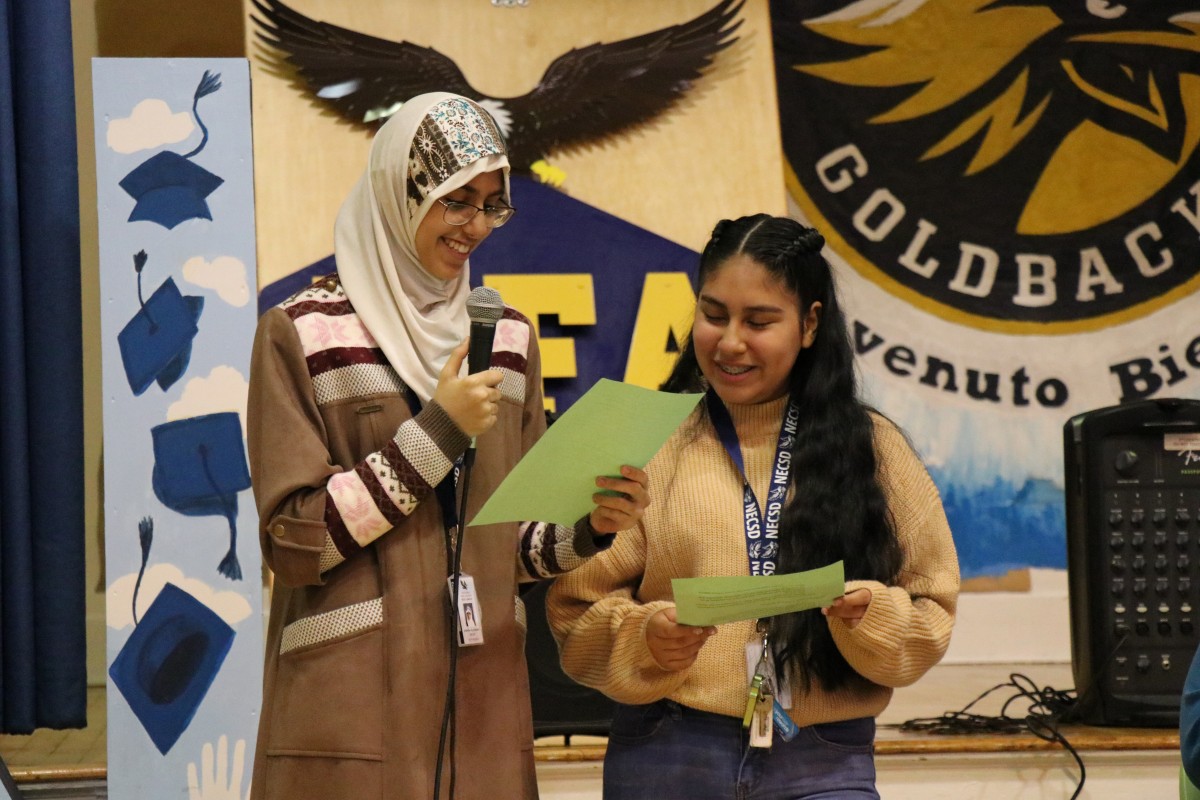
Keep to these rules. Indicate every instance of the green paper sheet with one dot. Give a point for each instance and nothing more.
(714, 601)
(612, 424)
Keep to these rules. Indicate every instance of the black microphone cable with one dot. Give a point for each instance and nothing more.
(449, 728)
(484, 308)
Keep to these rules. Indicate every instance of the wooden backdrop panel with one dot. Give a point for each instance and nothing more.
(714, 155)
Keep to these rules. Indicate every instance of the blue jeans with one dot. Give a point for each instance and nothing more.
(665, 751)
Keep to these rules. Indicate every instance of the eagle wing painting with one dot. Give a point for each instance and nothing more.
(586, 94)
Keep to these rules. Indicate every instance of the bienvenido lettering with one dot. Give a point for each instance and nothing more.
(942, 374)
(1146, 253)
(1139, 378)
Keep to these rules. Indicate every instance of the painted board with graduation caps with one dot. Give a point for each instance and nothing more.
(174, 182)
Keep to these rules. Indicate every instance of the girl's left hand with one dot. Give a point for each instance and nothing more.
(617, 512)
(850, 607)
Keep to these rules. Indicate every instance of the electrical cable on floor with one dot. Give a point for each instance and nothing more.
(1048, 707)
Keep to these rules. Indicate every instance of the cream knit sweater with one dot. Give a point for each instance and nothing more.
(694, 527)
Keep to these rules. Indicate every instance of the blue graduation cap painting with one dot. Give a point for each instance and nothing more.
(167, 665)
(156, 344)
(170, 188)
(199, 468)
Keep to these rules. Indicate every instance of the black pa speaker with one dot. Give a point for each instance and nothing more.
(561, 707)
(1132, 477)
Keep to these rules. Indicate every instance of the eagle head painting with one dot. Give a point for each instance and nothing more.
(1046, 83)
(585, 95)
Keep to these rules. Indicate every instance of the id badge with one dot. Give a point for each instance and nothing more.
(470, 613)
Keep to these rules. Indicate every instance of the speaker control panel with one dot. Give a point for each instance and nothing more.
(1151, 567)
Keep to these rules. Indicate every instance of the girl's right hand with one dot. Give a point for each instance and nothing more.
(674, 646)
(471, 401)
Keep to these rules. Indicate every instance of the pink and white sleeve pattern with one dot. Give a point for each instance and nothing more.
(344, 361)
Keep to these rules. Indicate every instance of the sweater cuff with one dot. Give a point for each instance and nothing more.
(587, 542)
(898, 639)
(437, 424)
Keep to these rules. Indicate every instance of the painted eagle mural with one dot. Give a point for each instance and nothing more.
(1043, 84)
(585, 95)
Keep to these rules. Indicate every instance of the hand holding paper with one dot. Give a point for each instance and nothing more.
(612, 425)
(620, 501)
(850, 607)
(714, 601)
(674, 646)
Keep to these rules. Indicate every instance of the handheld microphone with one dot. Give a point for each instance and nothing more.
(485, 308)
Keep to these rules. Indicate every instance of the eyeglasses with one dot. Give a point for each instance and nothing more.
(457, 213)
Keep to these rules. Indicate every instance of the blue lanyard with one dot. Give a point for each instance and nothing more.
(444, 490)
(762, 531)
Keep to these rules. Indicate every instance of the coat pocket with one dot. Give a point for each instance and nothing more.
(329, 687)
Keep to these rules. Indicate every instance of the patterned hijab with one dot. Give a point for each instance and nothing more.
(435, 144)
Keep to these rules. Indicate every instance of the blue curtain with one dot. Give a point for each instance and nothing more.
(43, 672)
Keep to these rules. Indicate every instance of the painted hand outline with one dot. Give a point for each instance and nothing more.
(219, 783)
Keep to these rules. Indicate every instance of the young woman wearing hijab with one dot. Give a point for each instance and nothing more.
(359, 410)
(780, 469)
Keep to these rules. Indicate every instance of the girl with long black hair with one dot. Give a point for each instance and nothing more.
(782, 468)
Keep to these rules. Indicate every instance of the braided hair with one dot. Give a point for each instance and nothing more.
(836, 508)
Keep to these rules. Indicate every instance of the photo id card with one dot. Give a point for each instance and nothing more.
(470, 614)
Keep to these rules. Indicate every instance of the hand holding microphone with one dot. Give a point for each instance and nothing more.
(473, 401)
